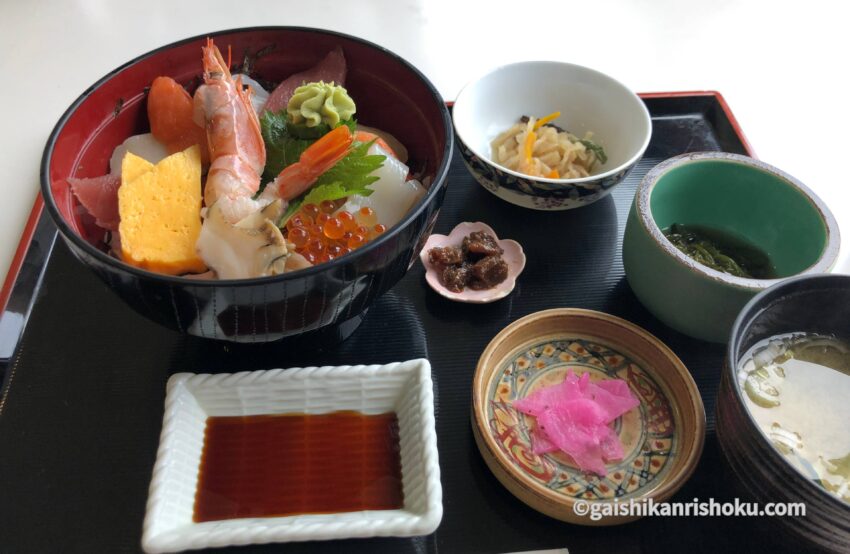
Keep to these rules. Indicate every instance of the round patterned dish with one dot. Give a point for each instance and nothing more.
(662, 437)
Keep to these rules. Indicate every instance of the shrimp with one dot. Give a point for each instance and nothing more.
(315, 160)
(237, 151)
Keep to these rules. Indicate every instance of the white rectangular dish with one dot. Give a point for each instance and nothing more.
(403, 387)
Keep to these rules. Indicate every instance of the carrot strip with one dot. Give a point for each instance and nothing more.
(544, 120)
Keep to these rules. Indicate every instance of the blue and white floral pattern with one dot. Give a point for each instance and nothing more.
(540, 195)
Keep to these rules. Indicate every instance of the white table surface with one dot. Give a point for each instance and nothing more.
(782, 66)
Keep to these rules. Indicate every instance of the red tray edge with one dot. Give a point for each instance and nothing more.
(38, 206)
(23, 245)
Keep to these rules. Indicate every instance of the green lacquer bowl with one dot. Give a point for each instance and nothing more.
(735, 194)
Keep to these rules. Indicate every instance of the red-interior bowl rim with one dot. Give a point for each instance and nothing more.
(440, 176)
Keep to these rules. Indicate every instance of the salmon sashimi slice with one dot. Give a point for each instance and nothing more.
(170, 113)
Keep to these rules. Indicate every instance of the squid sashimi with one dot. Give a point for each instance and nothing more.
(332, 68)
(574, 417)
(394, 194)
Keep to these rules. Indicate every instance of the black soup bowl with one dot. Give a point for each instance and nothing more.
(817, 304)
(327, 299)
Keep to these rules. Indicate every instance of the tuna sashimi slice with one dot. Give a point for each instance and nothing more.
(331, 68)
(99, 195)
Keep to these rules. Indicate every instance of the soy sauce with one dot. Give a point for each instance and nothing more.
(279, 465)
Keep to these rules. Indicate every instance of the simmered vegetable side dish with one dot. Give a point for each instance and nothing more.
(539, 148)
(235, 182)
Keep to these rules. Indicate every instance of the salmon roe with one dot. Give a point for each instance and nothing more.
(299, 236)
(324, 232)
(347, 220)
(334, 228)
(366, 216)
(356, 241)
(310, 210)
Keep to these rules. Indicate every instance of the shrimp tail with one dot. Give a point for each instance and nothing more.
(314, 161)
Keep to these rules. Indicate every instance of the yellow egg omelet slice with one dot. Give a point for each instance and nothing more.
(160, 209)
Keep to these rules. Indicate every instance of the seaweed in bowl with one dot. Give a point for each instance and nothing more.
(721, 251)
(392, 95)
(739, 204)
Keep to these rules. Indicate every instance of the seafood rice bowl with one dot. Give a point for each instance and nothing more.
(251, 185)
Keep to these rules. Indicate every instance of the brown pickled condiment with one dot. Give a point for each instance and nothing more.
(477, 263)
(279, 465)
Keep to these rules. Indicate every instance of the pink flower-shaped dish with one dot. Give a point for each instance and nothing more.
(513, 256)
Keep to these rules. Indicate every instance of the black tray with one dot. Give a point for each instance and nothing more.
(81, 408)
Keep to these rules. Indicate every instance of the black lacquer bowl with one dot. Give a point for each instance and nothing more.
(814, 304)
(326, 301)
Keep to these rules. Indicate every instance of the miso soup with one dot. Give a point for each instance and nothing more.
(797, 388)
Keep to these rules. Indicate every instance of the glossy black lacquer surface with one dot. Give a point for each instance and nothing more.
(83, 402)
(324, 301)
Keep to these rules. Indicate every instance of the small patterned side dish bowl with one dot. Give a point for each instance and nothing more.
(513, 256)
(589, 101)
(737, 195)
(662, 437)
(402, 387)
